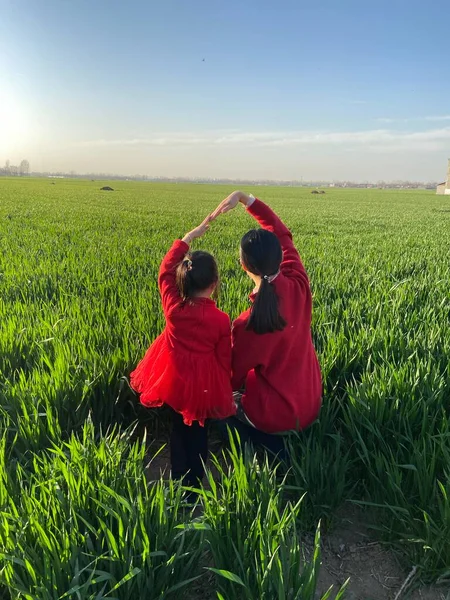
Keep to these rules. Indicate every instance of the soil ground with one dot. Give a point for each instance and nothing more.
(350, 551)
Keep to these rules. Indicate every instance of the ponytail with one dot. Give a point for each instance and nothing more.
(265, 316)
(184, 282)
(261, 255)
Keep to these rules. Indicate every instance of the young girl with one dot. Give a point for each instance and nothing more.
(273, 354)
(188, 367)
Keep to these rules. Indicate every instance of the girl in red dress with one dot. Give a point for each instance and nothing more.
(188, 367)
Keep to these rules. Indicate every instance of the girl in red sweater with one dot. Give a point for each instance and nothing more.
(273, 360)
(188, 366)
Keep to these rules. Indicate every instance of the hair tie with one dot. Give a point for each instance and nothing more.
(188, 265)
(270, 278)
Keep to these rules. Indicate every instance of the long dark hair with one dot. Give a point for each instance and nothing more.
(196, 273)
(261, 254)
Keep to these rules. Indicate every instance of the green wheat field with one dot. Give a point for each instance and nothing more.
(79, 305)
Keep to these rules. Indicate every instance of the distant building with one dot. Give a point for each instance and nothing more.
(444, 188)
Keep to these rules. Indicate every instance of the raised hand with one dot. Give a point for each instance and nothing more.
(198, 231)
(230, 202)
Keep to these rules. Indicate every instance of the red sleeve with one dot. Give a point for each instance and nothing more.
(170, 296)
(223, 348)
(247, 352)
(291, 265)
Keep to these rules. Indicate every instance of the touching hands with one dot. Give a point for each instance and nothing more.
(230, 202)
(226, 205)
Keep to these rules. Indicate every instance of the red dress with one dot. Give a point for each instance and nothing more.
(280, 370)
(188, 366)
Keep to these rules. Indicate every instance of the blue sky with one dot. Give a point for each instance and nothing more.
(319, 89)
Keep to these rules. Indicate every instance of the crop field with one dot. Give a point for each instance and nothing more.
(80, 518)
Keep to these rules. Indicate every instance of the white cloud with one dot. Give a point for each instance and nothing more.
(414, 119)
(429, 140)
(164, 140)
(438, 118)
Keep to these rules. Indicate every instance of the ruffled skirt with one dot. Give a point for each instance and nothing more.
(193, 384)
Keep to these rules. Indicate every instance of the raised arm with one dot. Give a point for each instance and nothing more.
(266, 217)
(291, 264)
(170, 295)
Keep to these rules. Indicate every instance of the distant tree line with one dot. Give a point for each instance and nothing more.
(24, 169)
(16, 170)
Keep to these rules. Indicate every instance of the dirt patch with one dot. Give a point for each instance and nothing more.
(350, 551)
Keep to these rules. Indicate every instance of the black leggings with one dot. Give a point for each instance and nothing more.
(275, 444)
(188, 450)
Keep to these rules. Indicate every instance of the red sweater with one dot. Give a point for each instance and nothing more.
(279, 370)
(188, 366)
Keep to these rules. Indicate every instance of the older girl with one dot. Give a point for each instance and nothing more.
(274, 363)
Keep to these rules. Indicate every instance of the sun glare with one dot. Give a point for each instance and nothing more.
(14, 122)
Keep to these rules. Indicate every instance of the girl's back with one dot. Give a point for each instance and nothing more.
(196, 326)
(188, 366)
(279, 368)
